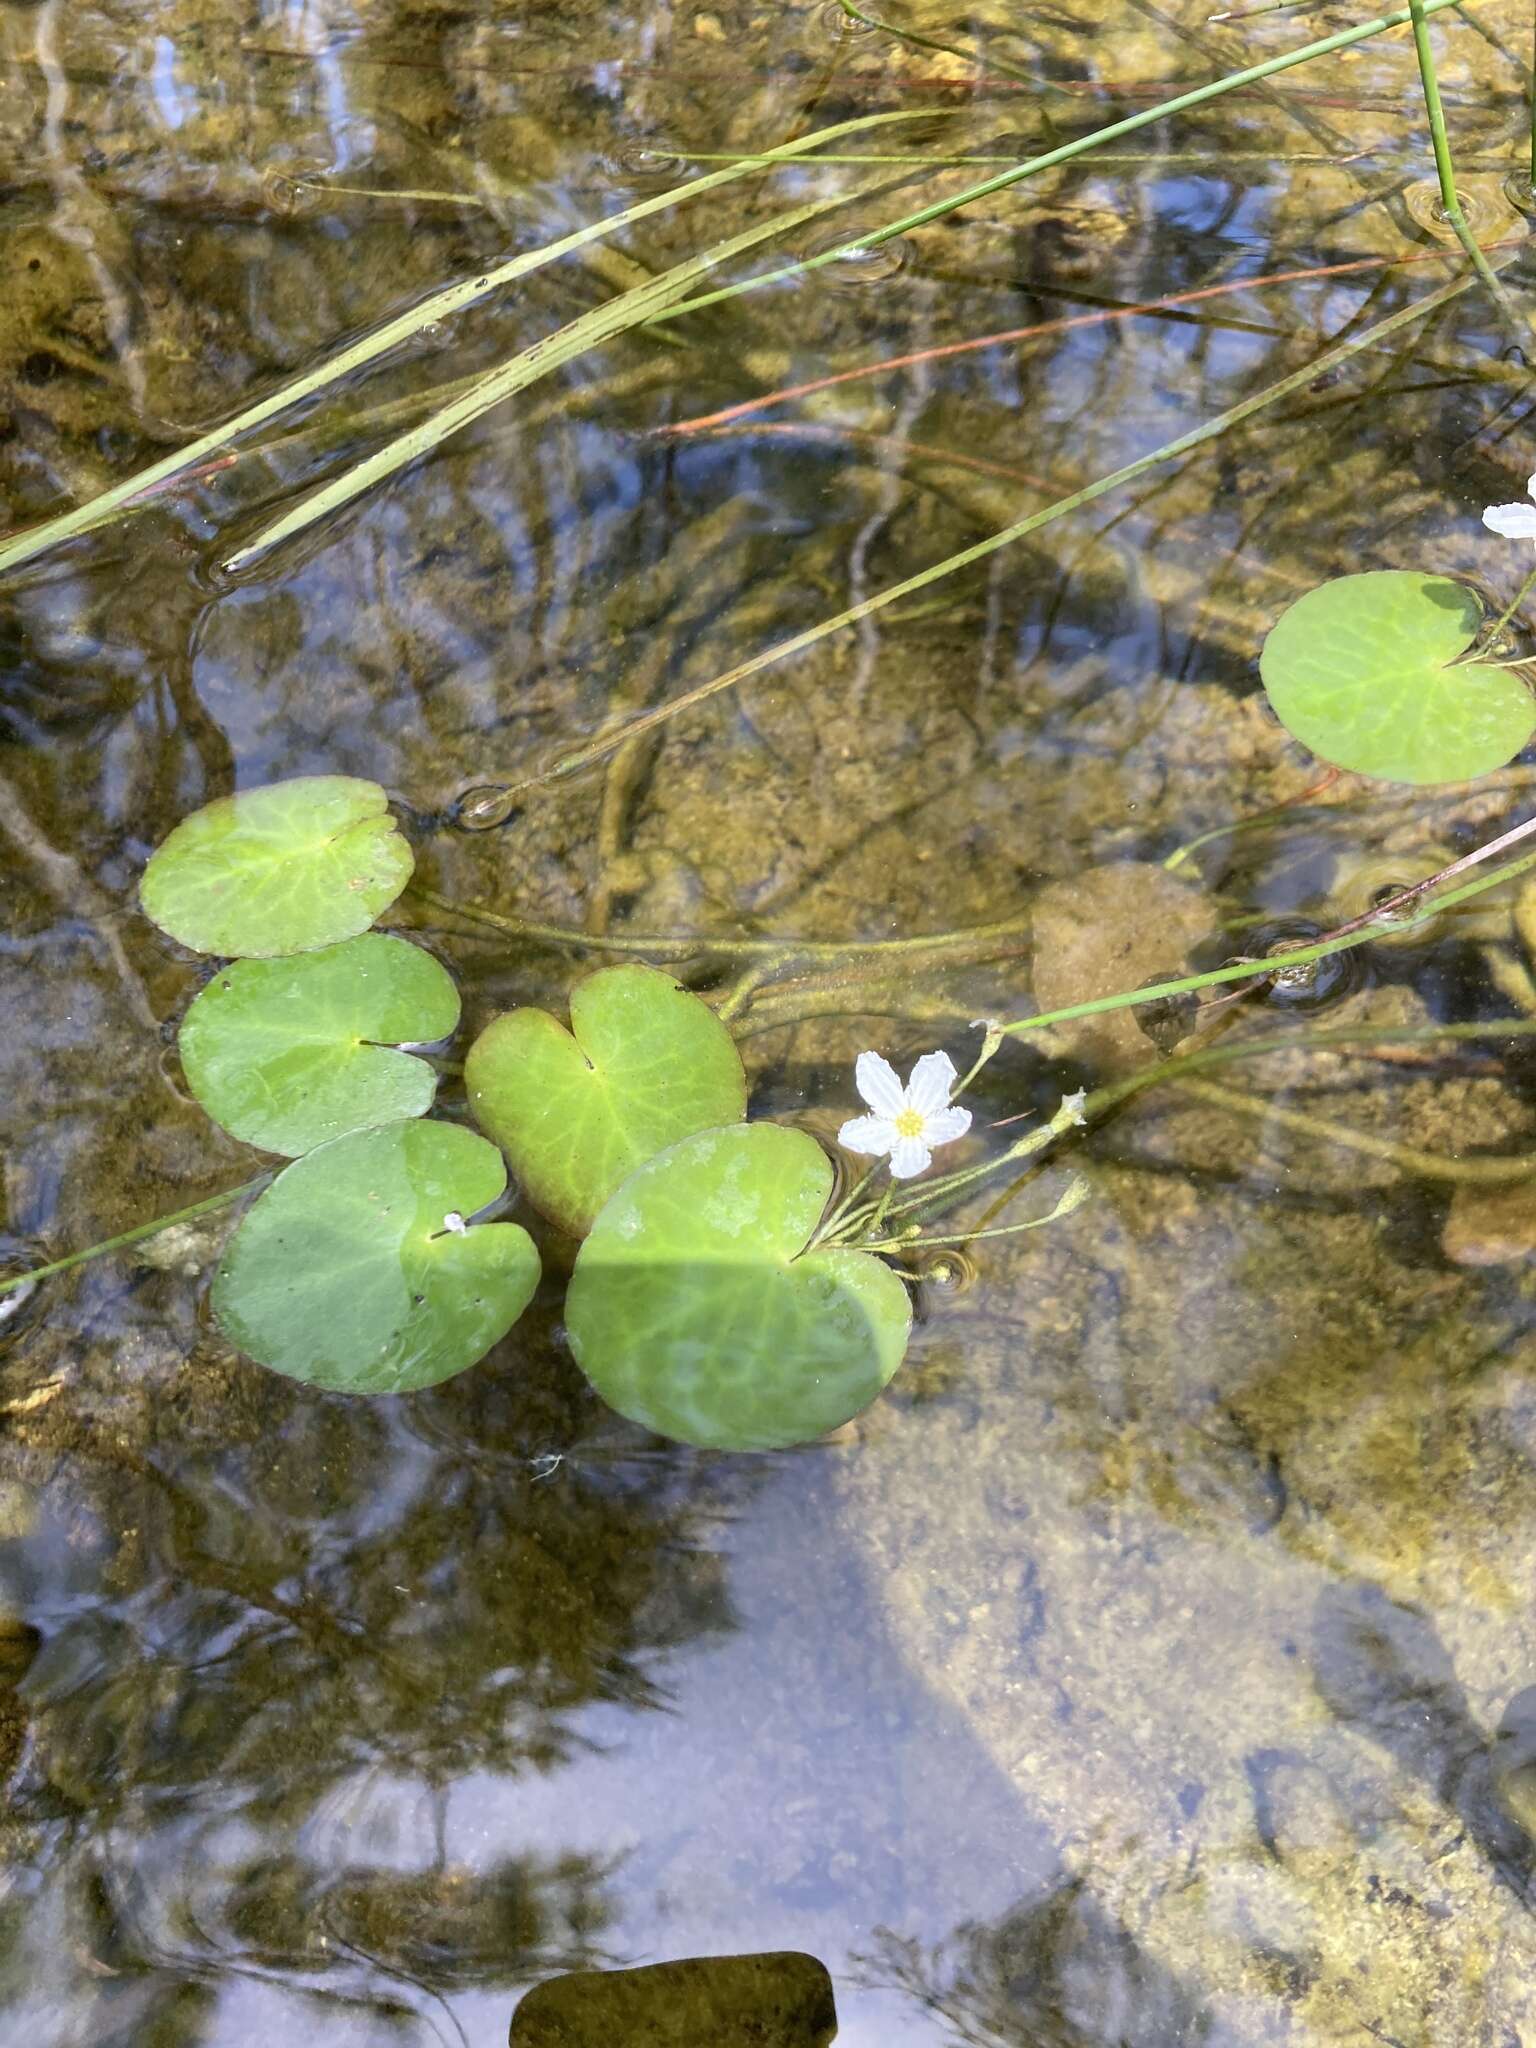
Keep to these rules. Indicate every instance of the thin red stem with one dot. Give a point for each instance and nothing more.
(958, 348)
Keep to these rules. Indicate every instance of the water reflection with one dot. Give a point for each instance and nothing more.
(252, 1673)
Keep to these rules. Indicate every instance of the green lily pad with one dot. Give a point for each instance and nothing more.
(1357, 670)
(349, 1272)
(696, 1310)
(285, 869)
(288, 1054)
(576, 1114)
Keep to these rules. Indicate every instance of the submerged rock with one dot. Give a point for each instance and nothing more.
(1491, 1226)
(777, 2001)
(1104, 931)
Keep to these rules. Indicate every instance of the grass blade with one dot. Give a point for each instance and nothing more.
(129, 496)
(614, 316)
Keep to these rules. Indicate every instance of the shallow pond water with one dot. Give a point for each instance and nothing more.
(1152, 1664)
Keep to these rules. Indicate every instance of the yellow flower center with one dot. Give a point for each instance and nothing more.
(909, 1124)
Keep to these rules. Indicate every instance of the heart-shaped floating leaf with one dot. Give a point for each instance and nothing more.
(351, 1271)
(696, 1310)
(1358, 670)
(284, 869)
(648, 1064)
(288, 1054)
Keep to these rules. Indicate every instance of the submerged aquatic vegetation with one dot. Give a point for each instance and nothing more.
(720, 1295)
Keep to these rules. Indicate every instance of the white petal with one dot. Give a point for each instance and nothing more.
(1531, 487)
(946, 1126)
(879, 1083)
(1515, 522)
(933, 1078)
(909, 1156)
(875, 1134)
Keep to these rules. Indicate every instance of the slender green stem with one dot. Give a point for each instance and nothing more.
(1533, 101)
(941, 161)
(1074, 1198)
(1444, 169)
(135, 1236)
(922, 1194)
(322, 188)
(1429, 84)
(1299, 956)
(989, 1045)
(840, 1208)
(1233, 82)
(628, 729)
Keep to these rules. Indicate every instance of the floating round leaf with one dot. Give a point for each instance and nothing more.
(354, 1271)
(648, 1064)
(1359, 671)
(284, 869)
(288, 1054)
(696, 1310)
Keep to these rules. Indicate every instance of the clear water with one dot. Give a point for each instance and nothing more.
(1150, 1666)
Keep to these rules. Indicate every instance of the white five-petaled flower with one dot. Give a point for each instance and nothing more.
(907, 1122)
(1515, 522)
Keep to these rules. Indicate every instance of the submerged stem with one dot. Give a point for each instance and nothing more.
(673, 946)
(1482, 1169)
(1445, 171)
(1503, 620)
(983, 61)
(134, 1236)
